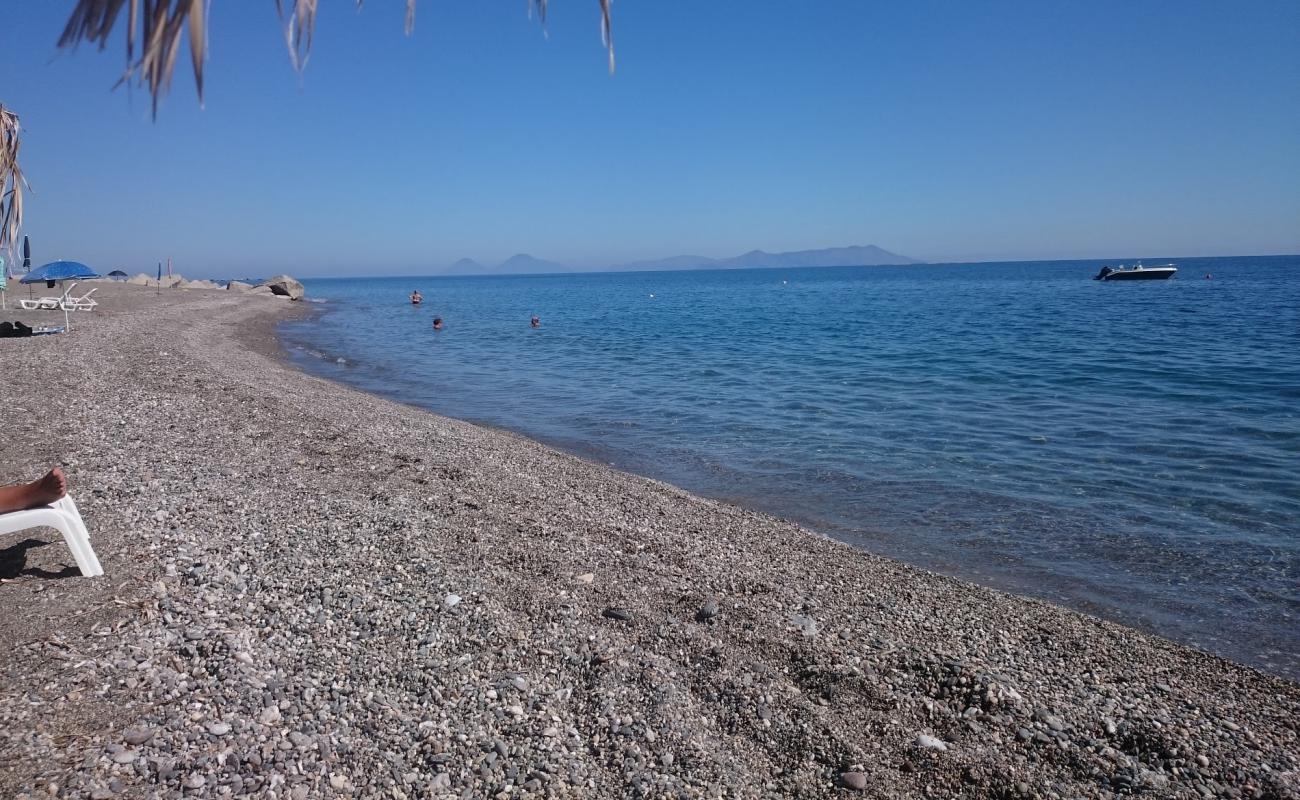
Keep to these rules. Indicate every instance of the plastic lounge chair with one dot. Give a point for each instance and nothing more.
(63, 517)
(40, 302)
(48, 303)
(83, 303)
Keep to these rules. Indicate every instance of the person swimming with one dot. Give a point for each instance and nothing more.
(416, 298)
(437, 323)
(536, 321)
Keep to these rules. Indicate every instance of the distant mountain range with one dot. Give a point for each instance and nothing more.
(853, 256)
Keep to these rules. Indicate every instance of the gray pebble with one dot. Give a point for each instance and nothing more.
(137, 736)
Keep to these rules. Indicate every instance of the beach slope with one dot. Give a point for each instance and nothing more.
(314, 592)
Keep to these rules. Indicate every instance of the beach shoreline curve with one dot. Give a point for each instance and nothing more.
(343, 594)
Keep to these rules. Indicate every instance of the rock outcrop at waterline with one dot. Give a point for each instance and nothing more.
(285, 286)
(279, 286)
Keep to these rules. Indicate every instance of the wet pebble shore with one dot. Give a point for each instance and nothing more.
(312, 592)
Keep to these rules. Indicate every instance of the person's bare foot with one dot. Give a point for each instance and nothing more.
(42, 492)
(49, 488)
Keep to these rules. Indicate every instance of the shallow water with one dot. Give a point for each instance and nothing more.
(1132, 450)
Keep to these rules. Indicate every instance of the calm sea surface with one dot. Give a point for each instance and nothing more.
(1131, 450)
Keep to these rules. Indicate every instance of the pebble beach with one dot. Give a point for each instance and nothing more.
(314, 592)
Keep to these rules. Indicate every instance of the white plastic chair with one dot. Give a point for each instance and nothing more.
(63, 517)
(83, 303)
(48, 302)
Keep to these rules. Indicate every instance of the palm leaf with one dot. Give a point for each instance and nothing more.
(11, 180)
(158, 27)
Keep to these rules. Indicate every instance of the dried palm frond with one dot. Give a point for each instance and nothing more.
(606, 29)
(12, 182)
(158, 25)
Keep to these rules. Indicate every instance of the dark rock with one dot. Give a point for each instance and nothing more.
(284, 286)
(707, 611)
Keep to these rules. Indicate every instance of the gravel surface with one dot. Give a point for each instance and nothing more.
(313, 592)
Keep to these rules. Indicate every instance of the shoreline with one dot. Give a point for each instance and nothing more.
(343, 594)
(1132, 580)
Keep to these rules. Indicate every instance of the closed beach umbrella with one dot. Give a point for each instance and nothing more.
(27, 259)
(59, 271)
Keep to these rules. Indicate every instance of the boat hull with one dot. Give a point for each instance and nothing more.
(1151, 274)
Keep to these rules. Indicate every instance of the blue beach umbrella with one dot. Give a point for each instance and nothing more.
(59, 271)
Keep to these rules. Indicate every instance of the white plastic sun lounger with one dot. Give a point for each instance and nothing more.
(83, 303)
(48, 303)
(63, 517)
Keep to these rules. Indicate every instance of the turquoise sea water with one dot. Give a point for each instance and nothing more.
(1131, 450)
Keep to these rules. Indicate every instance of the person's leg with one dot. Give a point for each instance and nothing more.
(37, 493)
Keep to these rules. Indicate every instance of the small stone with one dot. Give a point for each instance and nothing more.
(195, 781)
(218, 728)
(338, 781)
(620, 614)
(666, 759)
(707, 611)
(138, 735)
(857, 781)
(102, 794)
(1203, 761)
(931, 743)
(451, 600)
(586, 577)
(269, 716)
(125, 756)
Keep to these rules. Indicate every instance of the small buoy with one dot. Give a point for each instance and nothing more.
(783, 283)
(652, 294)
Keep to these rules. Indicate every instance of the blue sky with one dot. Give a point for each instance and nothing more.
(941, 130)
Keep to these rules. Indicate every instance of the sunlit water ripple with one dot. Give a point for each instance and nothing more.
(1132, 450)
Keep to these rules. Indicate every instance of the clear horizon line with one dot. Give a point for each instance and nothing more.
(607, 271)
